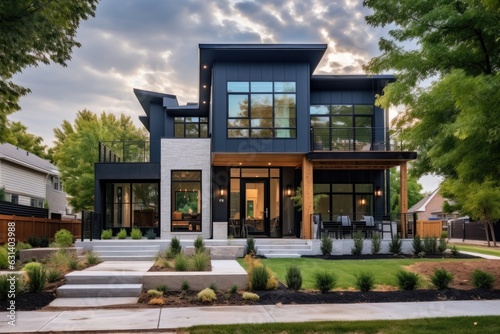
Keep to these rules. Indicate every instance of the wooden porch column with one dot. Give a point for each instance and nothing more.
(403, 196)
(307, 197)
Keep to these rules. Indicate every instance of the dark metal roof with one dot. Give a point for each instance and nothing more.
(22, 157)
(329, 82)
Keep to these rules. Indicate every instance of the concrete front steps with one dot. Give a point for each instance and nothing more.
(283, 248)
(128, 252)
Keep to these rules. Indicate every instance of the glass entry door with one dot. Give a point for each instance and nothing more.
(255, 205)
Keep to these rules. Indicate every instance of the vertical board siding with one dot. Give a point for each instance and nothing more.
(429, 228)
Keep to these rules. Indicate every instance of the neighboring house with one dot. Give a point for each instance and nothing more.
(263, 126)
(31, 181)
(431, 208)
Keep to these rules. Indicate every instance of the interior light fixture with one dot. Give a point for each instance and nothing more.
(362, 201)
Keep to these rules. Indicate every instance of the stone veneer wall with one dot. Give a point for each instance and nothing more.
(185, 154)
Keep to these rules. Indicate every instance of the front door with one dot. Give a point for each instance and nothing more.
(255, 206)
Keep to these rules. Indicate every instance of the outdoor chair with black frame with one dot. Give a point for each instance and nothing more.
(347, 227)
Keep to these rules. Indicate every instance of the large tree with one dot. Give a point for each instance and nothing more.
(34, 32)
(446, 57)
(77, 149)
(17, 134)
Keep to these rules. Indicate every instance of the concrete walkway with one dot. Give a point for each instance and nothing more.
(171, 318)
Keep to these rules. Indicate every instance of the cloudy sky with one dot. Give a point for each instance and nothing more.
(153, 45)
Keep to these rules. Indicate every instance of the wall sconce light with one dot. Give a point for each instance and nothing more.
(222, 191)
(288, 191)
(363, 200)
(378, 192)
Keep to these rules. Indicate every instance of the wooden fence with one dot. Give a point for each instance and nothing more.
(26, 227)
(429, 228)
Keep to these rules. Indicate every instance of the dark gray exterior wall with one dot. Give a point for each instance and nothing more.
(157, 129)
(224, 72)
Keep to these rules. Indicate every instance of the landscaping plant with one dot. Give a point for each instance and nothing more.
(417, 245)
(53, 274)
(324, 281)
(441, 278)
(430, 245)
(234, 289)
(5, 285)
(326, 245)
(154, 293)
(200, 261)
(199, 245)
(375, 243)
(4, 262)
(185, 286)
(213, 286)
(37, 277)
(454, 250)
(174, 248)
(207, 295)
(482, 280)
(122, 234)
(150, 234)
(258, 278)
(37, 242)
(407, 280)
(395, 245)
(106, 234)
(442, 246)
(181, 262)
(92, 258)
(250, 246)
(21, 246)
(358, 244)
(73, 264)
(365, 281)
(162, 288)
(156, 301)
(63, 238)
(293, 277)
(136, 233)
(250, 296)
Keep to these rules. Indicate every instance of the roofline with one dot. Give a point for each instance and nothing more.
(30, 166)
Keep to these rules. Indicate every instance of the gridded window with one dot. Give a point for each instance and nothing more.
(36, 202)
(261, 109)
(186, 201)
(191, 127)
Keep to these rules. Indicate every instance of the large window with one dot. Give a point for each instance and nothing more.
(261, 109)
(344, 199)
(191, 127)
(186, 201)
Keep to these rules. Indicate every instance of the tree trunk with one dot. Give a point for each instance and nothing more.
(492, 230)
(486, 225)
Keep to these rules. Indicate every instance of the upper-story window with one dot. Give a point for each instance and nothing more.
(57, 183)
(261, 109)
(191, 127)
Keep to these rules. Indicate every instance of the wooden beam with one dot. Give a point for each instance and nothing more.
(307, 197)
(403, 196)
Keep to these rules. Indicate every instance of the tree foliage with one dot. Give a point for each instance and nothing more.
(77, 149)
(34, 32)
(17, 134)
(453, 121)
(414, 191)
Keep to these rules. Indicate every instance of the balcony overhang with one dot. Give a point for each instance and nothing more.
(373, 160)
(257, 160)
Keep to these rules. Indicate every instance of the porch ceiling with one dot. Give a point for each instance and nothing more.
(360, 160)
(257, 160)
(350, 165)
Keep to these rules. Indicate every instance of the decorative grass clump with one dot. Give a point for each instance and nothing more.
(326, 245)
(92, 258)
(61, 259)
(185, 286)
(293, 277)
(63, 238)
(482, 280)
(200, 261)
(181, 262)
(162, 288)
(53, 275)
(207, 295)
(5, 285)
(156, 301)
(73, 264)
(364, 281)
(154, 293)
(136, 234)
(441, 278)
(4, 262)
(106, 234)
(234, 289)
(407, 280)
(122, 234)
(442, 246)
(324, 281)
(250, 296)
(37, 277)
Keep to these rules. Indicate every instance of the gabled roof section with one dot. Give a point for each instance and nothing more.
(26, 159)
(146, 97)
(420, 205)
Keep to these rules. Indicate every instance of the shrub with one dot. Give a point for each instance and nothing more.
(150, 234)
(358, 244)
(92, 258)
(20, 246)
(213, 286)
(181, 262)
(185, 286)
(365, 281)
(53, 274)
(36, 242)
(175, 247)
(407, 280)
(163, 288)
(200, 261)
(324, 281)
(234, 289)
(444, 234)
(156, 301)
(417, 245)
(258, 278)
(122, 234)
(250, 246)
(441, 278)
(293, 277)
(454, 250)
(5, 285)
(31, 265)
(272, 282)
(106, 234)
(61, 259)
(326, 245)
(250, 296)
(375, 243)
(482, 279)
(154, 293)
(73, 264)
(442, 246)
(207, 295)
(199, 245)
(430, 245)
(37, 277)
(4, 261)
(395, 245)
(136, 233)
(63, 238)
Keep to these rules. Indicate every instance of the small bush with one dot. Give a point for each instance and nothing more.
(163, 288)
(407, 280)
(21, 246)
(213, 286)
(250, 296)
(395, 245)
(4, 261)
(37, 242)
(293, 277)
(136, 233)
(441, 278)
(106, 234)
(122, 234)
(365, 281)
(250, 246)
(200, 261)
(207, 295)
(156, 301)
(181, 262)
(154, 293)
(258, 278)
(482, 279)
(53, 274)
(73, 264)
(37, 278)
(150, 234)
(234, 289)
(324, 281)
(444, 235)
(417, 245)
(430, 245)
(375, 243)
(272, 282)
(63, 238)
(92, 258)
(442, 246)
(6, 283)
(61, 259)
(185, 286)
(326, 245)
(175, 247)
(199, 244)
(31, 265)
(358, 244)
(454, 250)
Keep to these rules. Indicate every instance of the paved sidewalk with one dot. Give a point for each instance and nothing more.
(171, 318)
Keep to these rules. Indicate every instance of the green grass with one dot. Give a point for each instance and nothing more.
(456, 325)
(478, 249)
(384, 269)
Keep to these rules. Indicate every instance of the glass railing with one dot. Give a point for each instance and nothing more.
(124, 151)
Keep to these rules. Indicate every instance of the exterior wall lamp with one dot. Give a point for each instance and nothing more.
(222, 191)
(288, 191)
(378, 192)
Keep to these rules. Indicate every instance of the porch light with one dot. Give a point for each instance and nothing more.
(378, 192)
(222, 191)
(288, 191)
(362, 201)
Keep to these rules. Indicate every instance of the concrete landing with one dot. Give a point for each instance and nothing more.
(93, 302)
(99, 290)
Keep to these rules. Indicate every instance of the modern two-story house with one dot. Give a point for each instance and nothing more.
(265, 129)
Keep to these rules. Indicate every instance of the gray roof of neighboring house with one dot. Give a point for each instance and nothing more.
(420, 205)
(21, 157)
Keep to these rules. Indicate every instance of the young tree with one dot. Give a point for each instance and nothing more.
(34, 32)
(454, 121)
(77, 149)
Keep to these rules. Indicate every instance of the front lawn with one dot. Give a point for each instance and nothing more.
(495, 251)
